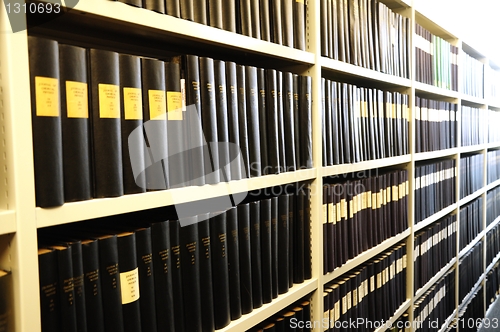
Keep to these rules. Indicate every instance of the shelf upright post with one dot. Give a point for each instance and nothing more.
(18, 156)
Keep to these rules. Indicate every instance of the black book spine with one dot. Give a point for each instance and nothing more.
(129, 281)
(167, 278)
(195, 132)
(110, 283)
(200, 12)
(281, 122)
(252, 111)
(299, 26)
(245, 258)
(274, 246)
(265, 23)
(296, 121)
(306, 121)
(155, 5)
(92, 284)
(272, 122)
(155, 108)
(190, 265)
(265, 242)
(283, 243)
(106, 123)
(288, 117)
(131, 118)
(176, 127)
(291, 242)
(233, 120)
(187, 10)
(66, 289)
(173, 8)
(256, 254)
(233, 258)
(49, 290)
(222, 120)
(75, 122)
(261, 86)
(228, 16)
(215, 13)
(219, 242)
(307, 233)
(244, 13)
(46, 121)
(209, 119)
(276, 22)
(287, 22)
(242, 119)
(78, 281)
(206, 280)
(145, 264)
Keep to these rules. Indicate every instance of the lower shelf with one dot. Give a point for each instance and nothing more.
(389, 324)
(257, 316)
(7, 222)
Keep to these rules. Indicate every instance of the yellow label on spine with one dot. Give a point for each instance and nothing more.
(132, 103)
(47, 96)
(157, 105)
(129, 283)
(299, 1)
(174, 103)
(109, 101)
(77, 100)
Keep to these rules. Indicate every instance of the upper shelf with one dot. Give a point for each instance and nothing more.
(357, 73)
(153, 31)
(365, 165)
(427, 90)
(102, 207)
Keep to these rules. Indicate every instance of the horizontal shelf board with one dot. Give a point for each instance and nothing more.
(472, 101)
(470, 245)
(493, 104)
(492, 185)
(472, 148)
(402, 309)
(492, 264)
(103, 207)
(7, 222)
(146, 23)
(471, 197)
(362, 73)
(434, 279)
(493, 145)
(468, 297)
(365, 165)
(436, 154)
(434, 91)
(492, 225)
(430, 24)
(435, 217)
(258, 315)
(365, 256)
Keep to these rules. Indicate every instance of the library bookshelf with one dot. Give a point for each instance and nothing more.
(155, 34)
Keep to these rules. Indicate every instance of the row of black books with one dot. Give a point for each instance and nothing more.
(471, 317)
(364, 211)
(436, 60)
(437, 304)
(193, 274)
(471, 174)
(296, 317)
(493, 158)
(435, 125)
(281, 22)
(493, 132)
(362, 124)
(435, 246)
(366, 33)
(470, 268)
(474, 121)
(435, 187)
(369, 294)
(492, 244)
(123, 125)
(493, 284)
(472, 76)
(471, 222)
(492, 205)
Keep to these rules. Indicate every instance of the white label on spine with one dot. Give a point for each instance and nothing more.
(129, 283)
